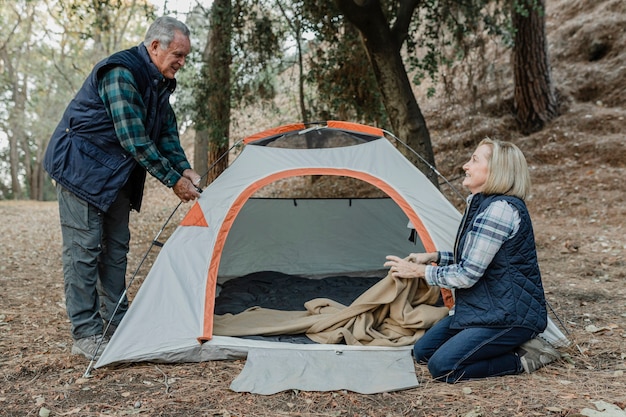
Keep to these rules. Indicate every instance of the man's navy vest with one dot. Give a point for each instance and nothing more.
(510, 293)
(84, 154)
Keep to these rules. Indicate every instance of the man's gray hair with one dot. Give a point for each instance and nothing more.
(163, 30)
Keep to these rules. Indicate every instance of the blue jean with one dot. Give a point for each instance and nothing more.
(459, 354)
(95, 245)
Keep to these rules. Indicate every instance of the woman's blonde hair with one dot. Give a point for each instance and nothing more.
(508, 170)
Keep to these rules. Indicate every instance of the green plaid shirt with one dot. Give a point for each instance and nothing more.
(164, 159)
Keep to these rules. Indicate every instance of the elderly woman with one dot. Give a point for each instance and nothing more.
(499, 299)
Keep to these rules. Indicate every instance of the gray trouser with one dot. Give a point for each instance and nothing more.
(95, 245)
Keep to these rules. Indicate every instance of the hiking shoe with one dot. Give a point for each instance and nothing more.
(535, 354)
(90, 347)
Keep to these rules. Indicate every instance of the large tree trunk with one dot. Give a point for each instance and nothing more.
(383, 48)
(213, 98)
(535, 99)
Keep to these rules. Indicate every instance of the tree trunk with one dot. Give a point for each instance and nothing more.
(20, 106)
(303, 110)
(295, 24)
(37, 181)
(535, 98)
(16, 187)
(383, 49)
(213, 98)
(17, 115)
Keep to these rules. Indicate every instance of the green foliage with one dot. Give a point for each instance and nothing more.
(345, 86)
(258, 42)
(339, 69)
(188, 77)
(442, 33)
(446, 31)
(108, 24)
(524, 7)
(54, 54)
(338, 76)
(50, 46)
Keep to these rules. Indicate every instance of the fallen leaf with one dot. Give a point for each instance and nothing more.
(72, 411)
(604, 409)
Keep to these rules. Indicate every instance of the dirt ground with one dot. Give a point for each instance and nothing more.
(578, 166)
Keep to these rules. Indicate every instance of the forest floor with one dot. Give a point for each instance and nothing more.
(578, 166)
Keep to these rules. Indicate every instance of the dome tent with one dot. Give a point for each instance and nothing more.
(228, 233)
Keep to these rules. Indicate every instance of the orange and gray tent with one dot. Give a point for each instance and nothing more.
(227, 234)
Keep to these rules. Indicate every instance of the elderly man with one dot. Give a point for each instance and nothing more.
(118, 126)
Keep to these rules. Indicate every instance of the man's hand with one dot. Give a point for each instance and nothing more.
(185, 189)
(192, 176)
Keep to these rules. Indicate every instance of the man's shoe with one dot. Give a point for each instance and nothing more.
(535, 354)
(90, 347)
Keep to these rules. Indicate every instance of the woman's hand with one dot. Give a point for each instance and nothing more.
(404, 268)
(424, 258)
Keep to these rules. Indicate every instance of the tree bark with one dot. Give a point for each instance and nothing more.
(37, 181)
(17, 115)
(213, 98)
(535, 98)
(383, 44)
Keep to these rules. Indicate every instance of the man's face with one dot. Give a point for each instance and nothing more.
(170, 60)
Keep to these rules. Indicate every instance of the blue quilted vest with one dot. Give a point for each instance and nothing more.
(84, 154)
(510, 293)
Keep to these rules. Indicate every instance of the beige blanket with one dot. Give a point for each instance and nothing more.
(393, 312)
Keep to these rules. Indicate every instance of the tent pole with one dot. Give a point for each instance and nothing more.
(432, 168)
(155, 242)
(557, 318)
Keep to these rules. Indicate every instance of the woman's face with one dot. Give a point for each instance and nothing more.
(477, 169)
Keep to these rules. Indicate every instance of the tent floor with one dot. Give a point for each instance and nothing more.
(278, 291)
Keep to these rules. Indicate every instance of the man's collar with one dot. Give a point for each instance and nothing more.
(155, 74)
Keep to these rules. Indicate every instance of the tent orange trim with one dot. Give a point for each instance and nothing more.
(355, 127)
(209, 300)
(195, 217)
(274, 131)
(349, 126)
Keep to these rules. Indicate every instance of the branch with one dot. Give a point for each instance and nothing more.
(400, 29)
(165, 382)
(12, 31)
